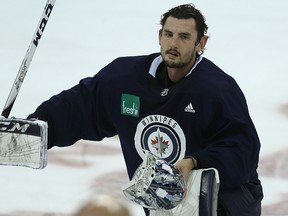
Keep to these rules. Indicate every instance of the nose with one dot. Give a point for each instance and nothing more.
(174, 41)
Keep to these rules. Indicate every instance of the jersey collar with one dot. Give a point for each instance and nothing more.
(157, 61)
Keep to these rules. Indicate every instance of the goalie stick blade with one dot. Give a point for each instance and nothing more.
(23, 142)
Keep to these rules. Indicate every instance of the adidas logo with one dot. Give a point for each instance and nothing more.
(189, 108)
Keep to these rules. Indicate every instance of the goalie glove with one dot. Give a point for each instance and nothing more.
(23, 142)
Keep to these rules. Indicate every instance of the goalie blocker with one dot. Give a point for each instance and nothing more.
(23, 142)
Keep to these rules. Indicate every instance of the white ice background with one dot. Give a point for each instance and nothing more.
(248, 40)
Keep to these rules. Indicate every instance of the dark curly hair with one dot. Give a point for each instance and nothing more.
(187, 11)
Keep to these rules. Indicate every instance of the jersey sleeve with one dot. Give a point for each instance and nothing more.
(81, 112)
(231, 142)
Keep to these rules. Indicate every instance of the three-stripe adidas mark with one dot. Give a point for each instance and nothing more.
(189, 108)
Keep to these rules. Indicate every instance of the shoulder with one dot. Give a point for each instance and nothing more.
(210, 80)
(213, 76)
(129, 64)
(208, 69)
(125, 71)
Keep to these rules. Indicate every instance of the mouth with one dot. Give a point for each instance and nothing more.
(173, 53)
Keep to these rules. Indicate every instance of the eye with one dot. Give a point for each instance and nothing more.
(168, 34)
(184, 37)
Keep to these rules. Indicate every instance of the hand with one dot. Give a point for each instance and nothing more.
(185, 166)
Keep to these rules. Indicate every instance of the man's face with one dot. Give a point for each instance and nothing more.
(177, 40)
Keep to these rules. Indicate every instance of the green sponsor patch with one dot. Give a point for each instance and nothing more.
(130, 105)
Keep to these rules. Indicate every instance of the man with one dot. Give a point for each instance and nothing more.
(176, 104)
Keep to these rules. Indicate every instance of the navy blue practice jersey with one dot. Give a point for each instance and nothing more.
(204, 115)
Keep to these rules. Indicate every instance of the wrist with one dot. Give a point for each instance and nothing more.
(194, 161)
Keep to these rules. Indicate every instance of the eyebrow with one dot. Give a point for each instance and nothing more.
(181, 33)
(185, 34)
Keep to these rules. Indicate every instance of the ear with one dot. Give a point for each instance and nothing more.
(202, 43)
(160, 35)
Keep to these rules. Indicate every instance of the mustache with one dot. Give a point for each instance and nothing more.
(172, 51)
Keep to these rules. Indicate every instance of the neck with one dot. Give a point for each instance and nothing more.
(176, 74)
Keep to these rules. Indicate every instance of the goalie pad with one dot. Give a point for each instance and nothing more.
(201, 198)
(23, 142)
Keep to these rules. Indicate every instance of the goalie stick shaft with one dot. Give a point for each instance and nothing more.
(28, 58)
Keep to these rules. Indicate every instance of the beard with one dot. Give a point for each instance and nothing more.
(183, 62)
(172, 64)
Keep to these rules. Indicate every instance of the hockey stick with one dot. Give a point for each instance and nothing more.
(24, 142)
(28, 58)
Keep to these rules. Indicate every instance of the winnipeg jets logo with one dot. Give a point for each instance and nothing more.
(162, 136)
(159, 143)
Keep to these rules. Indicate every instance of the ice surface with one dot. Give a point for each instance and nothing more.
(248, 39)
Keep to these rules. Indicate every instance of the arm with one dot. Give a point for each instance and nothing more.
(77, 113)
(231, 143)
